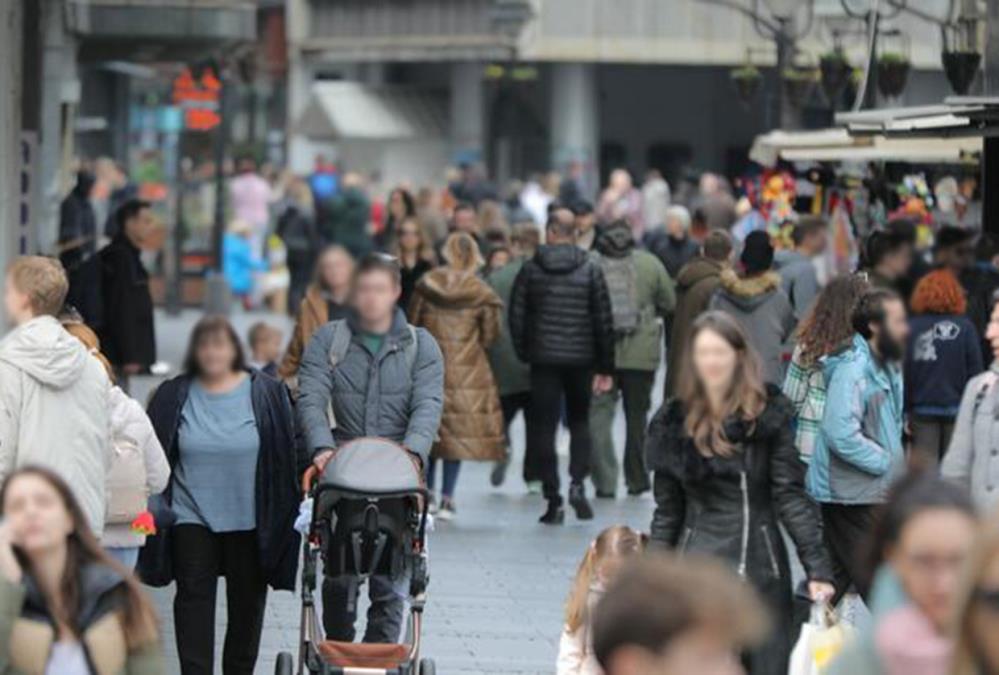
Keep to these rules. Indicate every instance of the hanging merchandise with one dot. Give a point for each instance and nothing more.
(843, 252)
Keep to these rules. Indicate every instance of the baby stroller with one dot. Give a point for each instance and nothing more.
(369, 516)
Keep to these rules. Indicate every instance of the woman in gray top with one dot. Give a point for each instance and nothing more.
(234, 489)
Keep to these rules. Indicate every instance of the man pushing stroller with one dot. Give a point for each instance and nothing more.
(380, 377)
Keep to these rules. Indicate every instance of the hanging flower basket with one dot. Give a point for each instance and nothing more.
(798, 84)
(747, 81)
(835, 71)
(893, 73)
(961, 68)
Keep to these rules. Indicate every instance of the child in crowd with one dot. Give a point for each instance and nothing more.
(603, 558)
(265, 347)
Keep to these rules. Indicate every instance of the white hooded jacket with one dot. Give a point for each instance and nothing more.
(54, 411)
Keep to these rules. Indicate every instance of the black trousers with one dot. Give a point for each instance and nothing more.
(549, 386)
(511, 404)
(200, 557)
(846, 529)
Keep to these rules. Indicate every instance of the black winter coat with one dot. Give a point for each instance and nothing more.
(732, 508)
(280, 465)
(560, 311)
(126, 327)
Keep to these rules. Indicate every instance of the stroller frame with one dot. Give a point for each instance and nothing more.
(311, 632)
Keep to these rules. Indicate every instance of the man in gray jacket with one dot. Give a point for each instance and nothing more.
(799, 279)
(382, 378)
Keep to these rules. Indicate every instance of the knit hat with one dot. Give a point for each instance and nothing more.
(757, 253)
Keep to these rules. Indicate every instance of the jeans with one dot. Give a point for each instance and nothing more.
(549, 384)
(126, 555)
(451, 469)
(385, 615)
(930, 438)
(200, 556)
(635, 387)
(511, 405)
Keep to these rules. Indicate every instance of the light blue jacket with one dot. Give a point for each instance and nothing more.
(858, 453)
(239, 263)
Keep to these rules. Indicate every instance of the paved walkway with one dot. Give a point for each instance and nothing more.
(498, 578)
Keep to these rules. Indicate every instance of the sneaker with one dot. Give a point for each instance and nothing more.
(579, 503)
(446, 511)
(534, 487)
(498, 475)
(554, 514)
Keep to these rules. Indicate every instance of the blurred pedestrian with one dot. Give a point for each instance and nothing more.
(327, 299)
(943, 353)
(229, 437)
(122, 190)
(463, 314)
(655, 200)
(513, 376)
(970, 459)
(953, 249)
(250, 194)
(715, 203)
(53, 393)
(401, 207)
(138, 466)
(620, 199)
(728, 479)
(465, 219)
(499, 257)
(349, 216)
(859, 453)
(920, 543)
(296, 226)
(799, 278)
(673, 616)
(672, 243)
(887, 261)
(573, 188)
(387, 381)
(68, 608)
(415, 252)
(755, 300)
(562, 325)
(976, 604)
(430, 214)
(586, 225)
(641, 295)
(264, 341)
(604, 557)
(696, 284)
(239, 263)
(127, 330)
(77, 223)
(826, 329)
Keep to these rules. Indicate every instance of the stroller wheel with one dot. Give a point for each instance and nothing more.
(285, 664)
(427, 667)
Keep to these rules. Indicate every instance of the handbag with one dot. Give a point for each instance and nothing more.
(126, 483)
(155, 566)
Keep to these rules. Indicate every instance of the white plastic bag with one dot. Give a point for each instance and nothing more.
(821, 641)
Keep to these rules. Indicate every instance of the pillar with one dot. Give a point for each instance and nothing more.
(468, 121)
(298, 149)
(11, 15)
(575, 120)
(990, 150)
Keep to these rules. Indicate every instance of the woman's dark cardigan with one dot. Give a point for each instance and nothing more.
(279, 467)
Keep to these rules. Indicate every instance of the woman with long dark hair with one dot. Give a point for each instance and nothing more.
(727, 476)
(67, 607)
(399, 206)
(415, 252)
(826, 328)
(229, 438)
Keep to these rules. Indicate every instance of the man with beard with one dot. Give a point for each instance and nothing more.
(858, 453)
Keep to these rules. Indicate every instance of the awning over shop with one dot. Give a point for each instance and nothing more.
(832, 145)
(957, 116)
(351, 110)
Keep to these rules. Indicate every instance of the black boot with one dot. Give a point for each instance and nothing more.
(578, 501)
(554, 514)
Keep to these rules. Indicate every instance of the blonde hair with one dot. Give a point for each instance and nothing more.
(617, 541)
(43, 280)
(88, 337)
(985, 550)
(461, 252)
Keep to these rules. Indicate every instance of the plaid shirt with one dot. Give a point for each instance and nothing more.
(805, 386)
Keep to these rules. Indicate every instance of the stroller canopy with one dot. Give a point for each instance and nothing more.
(372, 465)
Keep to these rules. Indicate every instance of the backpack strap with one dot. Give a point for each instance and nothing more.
(412, 348)
(340, 342)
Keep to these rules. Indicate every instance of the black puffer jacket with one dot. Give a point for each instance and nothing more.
(560, 311)
(732, 508)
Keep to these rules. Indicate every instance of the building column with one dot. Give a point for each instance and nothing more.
(11, 16)
(468, 120)
(575, 120)
(299, 83)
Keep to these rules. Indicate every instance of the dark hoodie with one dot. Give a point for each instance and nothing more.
(560, 311)
(695, 285)
(77, 223)
(763, 311)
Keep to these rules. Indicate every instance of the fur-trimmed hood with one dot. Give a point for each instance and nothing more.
(669, 448)
(749, 291)
(448, 287)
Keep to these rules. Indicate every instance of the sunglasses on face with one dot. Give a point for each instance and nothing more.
(988, 598)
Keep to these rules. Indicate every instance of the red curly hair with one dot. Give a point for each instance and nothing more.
(939, 292)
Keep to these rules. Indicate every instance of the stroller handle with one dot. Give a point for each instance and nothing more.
(308, 478)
